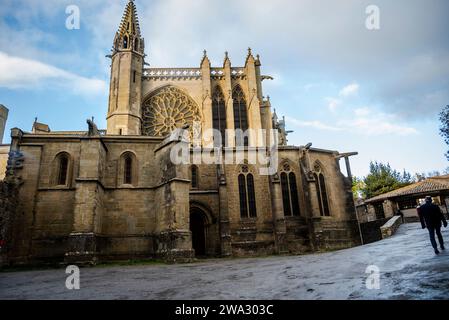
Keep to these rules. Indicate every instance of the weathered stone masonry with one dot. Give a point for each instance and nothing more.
(84, 197)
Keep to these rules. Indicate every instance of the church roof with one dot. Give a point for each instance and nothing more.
(433, 184)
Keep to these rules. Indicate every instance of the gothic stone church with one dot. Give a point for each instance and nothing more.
(96, 195)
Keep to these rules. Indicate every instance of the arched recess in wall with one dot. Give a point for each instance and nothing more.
(127, 173)
(201, 221)
(62, 168)
(321, 189)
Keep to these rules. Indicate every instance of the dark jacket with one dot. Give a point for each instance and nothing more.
(431, 216)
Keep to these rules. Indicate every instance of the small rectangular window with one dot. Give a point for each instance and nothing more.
(128, 170)
(194, 177)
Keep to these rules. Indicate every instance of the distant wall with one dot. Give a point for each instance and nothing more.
(365, 215)
(371, 230)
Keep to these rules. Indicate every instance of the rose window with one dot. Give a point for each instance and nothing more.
(169, 108)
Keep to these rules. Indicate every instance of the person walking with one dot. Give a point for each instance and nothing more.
(431, 218)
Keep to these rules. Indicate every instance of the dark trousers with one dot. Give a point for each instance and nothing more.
(432, 231)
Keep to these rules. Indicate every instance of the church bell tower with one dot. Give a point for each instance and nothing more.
(125, 93)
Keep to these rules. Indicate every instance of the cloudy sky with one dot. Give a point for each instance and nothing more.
(340, 85)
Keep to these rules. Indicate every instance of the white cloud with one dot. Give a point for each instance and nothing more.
(378, 125)
(312, 124)
(349, 90)
(310, 86)
(420, 89)
(362, 112)
(365, 122)
(405, 74)
(333, 103)
(16, 72)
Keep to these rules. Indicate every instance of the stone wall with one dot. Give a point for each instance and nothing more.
(371, 230)
(97, 214)
(297, 237)
(390, 208)
(390, 227)
(53, 222)
(8, 204)
(256, 234)
(128, 223)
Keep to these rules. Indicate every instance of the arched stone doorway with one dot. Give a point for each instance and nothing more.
(198, 223)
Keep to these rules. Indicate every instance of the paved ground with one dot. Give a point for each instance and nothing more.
(408, 270)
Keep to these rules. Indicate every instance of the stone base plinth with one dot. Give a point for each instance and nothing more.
(226, 247)
(175, 246)
(82, 249)
(281, 244)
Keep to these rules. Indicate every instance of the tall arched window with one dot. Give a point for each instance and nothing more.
(219, 116)
(321, 190)
(251, 195)
(294, 194)
(289, 188)
(240, 112)
(63, 169)
(194, 172)
(136, 44)
(247, 194)
(243, 196)
(128, 169)
(324, 195)
(285, 194)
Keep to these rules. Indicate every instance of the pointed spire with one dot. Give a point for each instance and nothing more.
(226, 60)
(128, 36)
(130, 21)
(258, 60)
(205, 59)
(249, 57)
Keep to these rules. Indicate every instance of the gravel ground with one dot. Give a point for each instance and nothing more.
(408, 270)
